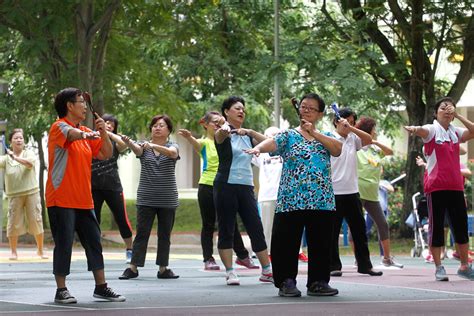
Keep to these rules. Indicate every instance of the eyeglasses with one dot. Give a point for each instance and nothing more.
(239, 108)
(83, 102)
(309, 109)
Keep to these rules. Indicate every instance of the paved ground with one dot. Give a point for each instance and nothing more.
(27, 287)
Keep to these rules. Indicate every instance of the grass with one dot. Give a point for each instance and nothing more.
(188, 218)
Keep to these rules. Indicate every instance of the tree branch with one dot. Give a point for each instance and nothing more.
(467, 65)
(112, 6)
(334, 23)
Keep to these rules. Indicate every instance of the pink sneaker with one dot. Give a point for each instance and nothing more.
(247, 262)
(458, 257)
(429, 258)
(211, 265)
(302, 257)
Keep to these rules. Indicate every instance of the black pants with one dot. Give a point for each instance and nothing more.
(349, 207)
(145, 218)
(116, 203)
(208, 217)
(64, 222)
(452, 203)
(229, 200)
(286, 240)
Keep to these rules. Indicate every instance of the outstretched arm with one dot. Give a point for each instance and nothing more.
(171, 152)
(137, 149)
(417, 131)
(387, 151)
(190, 138)
(267, 146)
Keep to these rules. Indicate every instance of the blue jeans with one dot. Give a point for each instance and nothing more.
(64, 222)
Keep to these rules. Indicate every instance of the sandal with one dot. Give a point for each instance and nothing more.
(167, 274)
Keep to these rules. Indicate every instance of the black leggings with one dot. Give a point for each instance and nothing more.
(229, 200)
(208, 217)
(116, 202)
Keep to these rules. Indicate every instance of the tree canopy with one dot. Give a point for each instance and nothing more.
(140, 58)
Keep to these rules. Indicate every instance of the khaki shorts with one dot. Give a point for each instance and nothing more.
(24, 215)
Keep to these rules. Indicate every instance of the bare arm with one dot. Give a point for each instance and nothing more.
(417, 131)
(333, 145)
(119, 144)
(190, 138)
(137, 149)
(267, 146)
(221, 134)
(469, 134)
(365, 138)
(106, 151)
(387, 151)
(171, 152)
(257, 138)
(466, 173)
(25, 162)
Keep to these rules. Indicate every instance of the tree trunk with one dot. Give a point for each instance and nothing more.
(38, 137)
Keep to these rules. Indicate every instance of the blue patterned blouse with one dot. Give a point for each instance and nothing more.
(306, 182)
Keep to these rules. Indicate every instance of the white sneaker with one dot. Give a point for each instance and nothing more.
(389, 262)
(232, 279)
(440, 274)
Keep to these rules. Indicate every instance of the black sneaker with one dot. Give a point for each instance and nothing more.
(321, 288)
(167, 274)
(128, 274)
(64, 297)
(289, 289)
(108, 294)
(372, 272)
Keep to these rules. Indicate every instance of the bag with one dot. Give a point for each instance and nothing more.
(411, 220)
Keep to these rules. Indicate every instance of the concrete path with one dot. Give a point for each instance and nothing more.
(27, 287)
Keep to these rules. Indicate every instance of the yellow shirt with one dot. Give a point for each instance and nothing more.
(19, 179)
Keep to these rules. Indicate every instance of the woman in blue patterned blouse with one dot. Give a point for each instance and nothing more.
(305, 200)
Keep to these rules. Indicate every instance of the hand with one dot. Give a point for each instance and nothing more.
(411, 129)
(420, 162)
(450, 109)
(226, 127)
(127, 140)
(252, 151)
(99, 123)
(344, 123)
(185, 133)
(242, 131)
(90, 135)
(10, 153)
(221, 121)
(146, 145)
(307, 126)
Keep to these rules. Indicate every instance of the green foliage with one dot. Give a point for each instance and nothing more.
(392, 168)
(188, 218)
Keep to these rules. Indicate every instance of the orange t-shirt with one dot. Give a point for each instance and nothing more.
(69, 174)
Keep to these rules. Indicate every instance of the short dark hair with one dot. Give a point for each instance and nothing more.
(13, 132)
(345, 113)
(63, 97)
(163, 117)
(111, 118)
(442, 100)
(366, 124)
(316, 97)
(229, 102)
